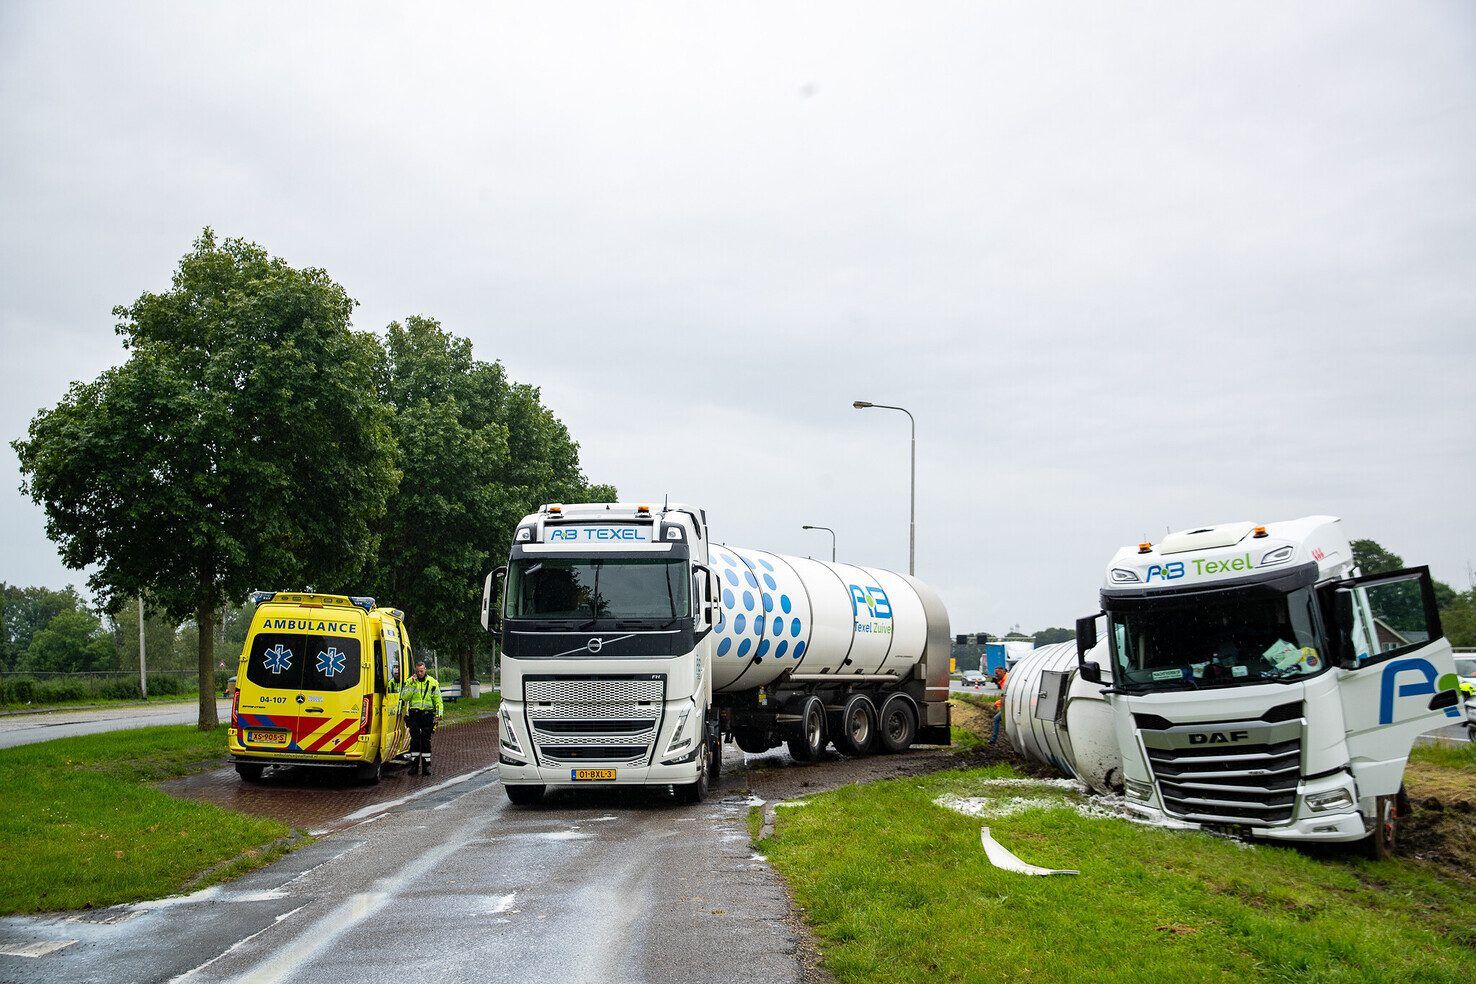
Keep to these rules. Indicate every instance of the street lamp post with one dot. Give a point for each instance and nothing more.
(832, 538)
(912, 510)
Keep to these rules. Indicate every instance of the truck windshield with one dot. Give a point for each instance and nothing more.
(1222, 643)
(585, 588)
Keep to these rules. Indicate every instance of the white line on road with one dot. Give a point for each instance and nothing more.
(38, 949)
(374, 809)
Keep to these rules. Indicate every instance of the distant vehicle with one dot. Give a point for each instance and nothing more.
(320, 685)
(974, 678)
(1465, 667)
(229, 690)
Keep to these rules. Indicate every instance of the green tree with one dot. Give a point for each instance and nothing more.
(160, 639)
(26, 611)
(1047, 636)
(74, 641)
(241, 444)
(477, 452)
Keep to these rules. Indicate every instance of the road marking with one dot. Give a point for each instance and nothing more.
(236, 945)
(38, 949)
(374, 809)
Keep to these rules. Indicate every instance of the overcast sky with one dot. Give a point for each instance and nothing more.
(1130, 270)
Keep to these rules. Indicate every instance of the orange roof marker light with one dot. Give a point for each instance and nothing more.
(1260, 532)
(643, 510)
(1145, 547)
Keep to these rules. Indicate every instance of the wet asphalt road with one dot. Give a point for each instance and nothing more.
(23, 729)
(457, 884)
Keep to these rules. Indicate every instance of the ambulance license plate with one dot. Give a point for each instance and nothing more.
(267, 737)
(591, 775)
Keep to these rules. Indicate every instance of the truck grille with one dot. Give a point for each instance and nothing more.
(1231, 772)
(610, 720)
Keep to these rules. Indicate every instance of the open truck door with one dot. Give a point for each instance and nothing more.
(1397, 671)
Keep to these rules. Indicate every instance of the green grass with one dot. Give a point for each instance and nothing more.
(1459, 757)
(99, 702)
(467, 708)
(84, 827)
(899, 889)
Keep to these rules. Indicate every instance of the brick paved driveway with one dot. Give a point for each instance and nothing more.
(316, 799)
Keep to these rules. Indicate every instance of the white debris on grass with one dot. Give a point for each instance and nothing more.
(1072, 796)
(792, 803)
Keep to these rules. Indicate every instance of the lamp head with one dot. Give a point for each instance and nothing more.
(861, 404)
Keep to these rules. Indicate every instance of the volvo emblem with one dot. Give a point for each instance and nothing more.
(595, 644)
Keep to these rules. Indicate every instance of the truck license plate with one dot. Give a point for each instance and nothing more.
(267, 737)
(585, 775)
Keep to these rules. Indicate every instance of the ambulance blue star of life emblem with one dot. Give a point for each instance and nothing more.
(331, 663)
(278, 658)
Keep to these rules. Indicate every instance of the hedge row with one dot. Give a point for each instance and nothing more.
(28, 690)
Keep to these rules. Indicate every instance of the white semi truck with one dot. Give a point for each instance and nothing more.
(1252, 682)
(632, 645)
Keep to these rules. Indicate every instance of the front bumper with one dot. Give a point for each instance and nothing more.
(1306, 825)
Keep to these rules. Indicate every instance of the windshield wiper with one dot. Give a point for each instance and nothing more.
(594, 599)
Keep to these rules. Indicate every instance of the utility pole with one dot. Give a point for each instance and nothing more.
(143, 673)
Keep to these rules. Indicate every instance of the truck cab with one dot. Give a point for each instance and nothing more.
(1259, 685)
(605, 619)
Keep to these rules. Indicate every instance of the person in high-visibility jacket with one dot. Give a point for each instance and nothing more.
(421, 695)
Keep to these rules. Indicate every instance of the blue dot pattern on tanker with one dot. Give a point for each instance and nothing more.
(759, 617)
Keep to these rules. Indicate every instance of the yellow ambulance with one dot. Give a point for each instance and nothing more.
(319, 685)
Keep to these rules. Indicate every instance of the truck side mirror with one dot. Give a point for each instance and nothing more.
(1086, 635)
(1090, 672)
(491, 611)
(703, 615)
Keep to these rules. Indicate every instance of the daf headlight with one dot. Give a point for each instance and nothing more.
(1278, 556)
(1140, 791)
(1121, 575)
(678, 742)
(505, 733)
(1338, 799)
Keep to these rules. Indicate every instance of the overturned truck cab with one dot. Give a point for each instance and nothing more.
(1260, 686)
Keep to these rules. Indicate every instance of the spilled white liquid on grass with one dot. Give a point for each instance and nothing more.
(1049, 794)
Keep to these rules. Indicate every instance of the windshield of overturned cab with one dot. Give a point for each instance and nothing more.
(1221, 641)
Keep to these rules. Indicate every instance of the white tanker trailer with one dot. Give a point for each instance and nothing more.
(1055, 717)
(632, 645)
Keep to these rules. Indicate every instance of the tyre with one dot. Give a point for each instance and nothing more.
(716, 757)
(1388, 811)
(696, 792)
(897, 725)
(250, 771)
(857, 732)
(810, 740)
(524, 795)
(753, 742)
(369, 773)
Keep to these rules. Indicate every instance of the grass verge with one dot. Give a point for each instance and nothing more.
(86, 829)
(898, 889)
(470, 708)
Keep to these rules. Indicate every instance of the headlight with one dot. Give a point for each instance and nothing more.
(1278, 556)
(1121, 575)
(505, 733)
(1140, 791)
(1338, 799)
(678, 742)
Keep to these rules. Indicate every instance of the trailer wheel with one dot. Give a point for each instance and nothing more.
(524, 795)
(898, 725)
(857, 732)
(250, 771)
(810, 742)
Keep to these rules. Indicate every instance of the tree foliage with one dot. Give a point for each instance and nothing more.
(241, 443)
(477, 452)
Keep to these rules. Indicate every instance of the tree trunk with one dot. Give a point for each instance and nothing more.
(205, 619)
(468, 673)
